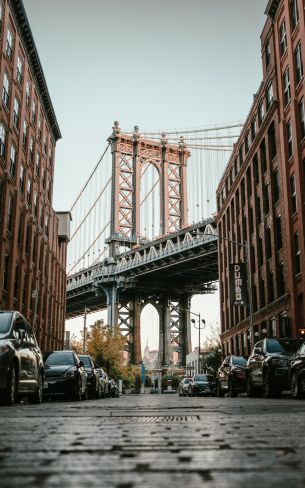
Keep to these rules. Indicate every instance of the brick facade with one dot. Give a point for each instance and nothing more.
(32, 254)
(261, 194)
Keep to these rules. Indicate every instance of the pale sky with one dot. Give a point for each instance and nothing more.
(158, 64)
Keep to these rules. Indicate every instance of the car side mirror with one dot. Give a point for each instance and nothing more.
(21, 336)
(81, 364)
(258, 350)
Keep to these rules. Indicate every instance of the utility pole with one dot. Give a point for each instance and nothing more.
(199, 328)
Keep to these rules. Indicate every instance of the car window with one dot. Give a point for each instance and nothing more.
(186, 380)
(59, 359)
(281, 345)
(201, 377)
(18, 325)
(30, 334)
(239, 361)
(86, 360)
(5, 322)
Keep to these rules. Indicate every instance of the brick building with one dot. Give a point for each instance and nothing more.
(261, 195)
(33, 238)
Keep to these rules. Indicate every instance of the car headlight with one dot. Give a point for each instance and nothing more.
(280, 362)
(69, 374)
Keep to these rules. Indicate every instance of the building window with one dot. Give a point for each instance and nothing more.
(270, 287)
(266, 199)
(27, 93)
(255, 170)
(9, 44)
(10, 214)
(33, 112)
(262, 293)
(45, 144)
(50, 155)
(278, 233)
(268, 243)
(283, 37)
(46, 226)
(286, 84)
(269, 95)
(24, 133)
(29, 192)
(19, 72)
(272, 142)
(16, 283)
(253, 129)
(247, 142)
(5, 272)
(301, 118)
(297, 253)
(289, 139)
(38, 164)
(16, 113)
(13, 161)
(39, 128)
(298, 63)
(2, 140)
(36, 204)
(281, 279)
(21, 179)
(49, 190)
(31, 150)
(260, 251)
(6, 90)
(267, 53)
(263, 156)
(258, 210)
(261, 113)
(293, 194)
(275, 186)
(294, 13)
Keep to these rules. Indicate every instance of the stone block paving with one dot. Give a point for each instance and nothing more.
(154, 441)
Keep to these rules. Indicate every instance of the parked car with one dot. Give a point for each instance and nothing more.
(65, 375)
(200, 384)
(104, 381)
(297, 373)
(267, 366)
(113, 389)
(94, 385)
(184, 386)
(231, 376)
(21, 364)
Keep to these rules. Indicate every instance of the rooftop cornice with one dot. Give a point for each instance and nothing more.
(22, 22)
(272, 7)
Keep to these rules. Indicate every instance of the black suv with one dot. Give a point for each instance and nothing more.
(21, 364)
(231, 376)
(94, 384)
(297, 373)
(267, 367)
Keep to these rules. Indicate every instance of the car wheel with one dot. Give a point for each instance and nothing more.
(268, 388)
(11, 388)
(220, 392)
(77, 395)
(37, 397)
(251, 390)
(296, 390)
(232, 389)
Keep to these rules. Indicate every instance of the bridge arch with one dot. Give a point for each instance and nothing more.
(149, 333)
(150, 206)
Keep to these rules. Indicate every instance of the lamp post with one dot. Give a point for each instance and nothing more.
(200, 321)
(85, 329)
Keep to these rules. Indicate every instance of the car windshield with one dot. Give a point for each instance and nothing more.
(5, 322)
(186, 380)
(59, 359)
(201, 377)
(282, 346)
(239, 361)
(86, 360)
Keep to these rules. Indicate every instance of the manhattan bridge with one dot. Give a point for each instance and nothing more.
(143, 231)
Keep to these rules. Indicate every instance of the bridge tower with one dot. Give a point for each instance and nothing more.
(130, 153)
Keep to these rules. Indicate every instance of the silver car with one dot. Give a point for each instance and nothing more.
(184, 387)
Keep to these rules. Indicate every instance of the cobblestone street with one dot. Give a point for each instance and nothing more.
(154, 441)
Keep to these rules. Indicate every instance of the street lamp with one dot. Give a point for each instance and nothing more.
(200, 321)
(85, 329)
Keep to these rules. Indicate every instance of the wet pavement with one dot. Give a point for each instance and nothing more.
(154, 441)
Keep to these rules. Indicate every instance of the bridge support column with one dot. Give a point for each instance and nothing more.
(165, 356)
(111, 292)
(137, 353)
(185, 314)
